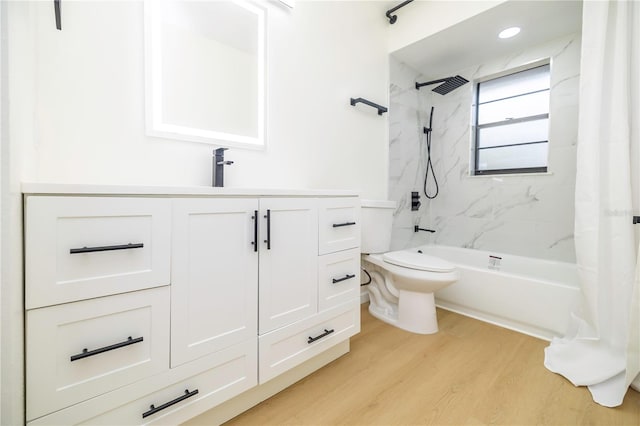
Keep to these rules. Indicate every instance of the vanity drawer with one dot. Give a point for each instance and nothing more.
(216, 378)
(339, 224)
(338, 278)
(84, 247)
(287, 347)
(80, 350)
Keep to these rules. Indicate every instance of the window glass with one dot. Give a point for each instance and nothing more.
(528, 131)
(530, 80)
(513, 157)
(518, 107)
(512, 123)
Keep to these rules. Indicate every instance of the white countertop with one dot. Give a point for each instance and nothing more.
(90, 189)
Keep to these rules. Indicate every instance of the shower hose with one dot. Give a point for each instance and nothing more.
(430, 170)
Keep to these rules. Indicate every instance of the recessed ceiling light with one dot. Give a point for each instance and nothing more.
(509, 32)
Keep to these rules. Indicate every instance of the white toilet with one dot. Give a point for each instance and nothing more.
(402, 282)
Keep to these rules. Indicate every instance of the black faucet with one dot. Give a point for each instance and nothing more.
(417, 228)
(218, 167)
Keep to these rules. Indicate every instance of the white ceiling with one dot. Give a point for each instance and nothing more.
(476, 39)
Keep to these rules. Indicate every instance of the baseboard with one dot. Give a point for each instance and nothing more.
(241, 403)
(364, 296)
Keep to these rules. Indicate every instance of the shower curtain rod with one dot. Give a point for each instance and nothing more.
(394, 18)
(57, 12)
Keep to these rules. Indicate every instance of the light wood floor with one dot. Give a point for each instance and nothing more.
(470, 373)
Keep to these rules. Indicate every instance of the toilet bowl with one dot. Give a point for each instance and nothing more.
(403, 282)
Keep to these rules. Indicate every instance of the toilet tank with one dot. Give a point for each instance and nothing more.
(377, 218)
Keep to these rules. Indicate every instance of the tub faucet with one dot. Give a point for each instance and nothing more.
(417, 228)
(218, 167)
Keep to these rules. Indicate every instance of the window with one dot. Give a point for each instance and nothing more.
(512, 123)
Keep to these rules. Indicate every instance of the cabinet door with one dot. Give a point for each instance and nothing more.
(214, 276)
(288, 259)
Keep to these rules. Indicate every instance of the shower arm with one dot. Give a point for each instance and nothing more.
(394, 18)
(419, 85)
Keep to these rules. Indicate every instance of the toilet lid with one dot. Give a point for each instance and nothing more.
(415, 260)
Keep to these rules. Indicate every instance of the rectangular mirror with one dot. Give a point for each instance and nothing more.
(205, 71)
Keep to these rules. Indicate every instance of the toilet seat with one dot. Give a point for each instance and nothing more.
(419, 261)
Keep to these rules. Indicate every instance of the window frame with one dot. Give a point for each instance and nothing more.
(477, 127)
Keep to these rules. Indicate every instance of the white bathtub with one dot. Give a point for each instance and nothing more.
(532, 296)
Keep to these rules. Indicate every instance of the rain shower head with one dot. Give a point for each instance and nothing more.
(448, 84)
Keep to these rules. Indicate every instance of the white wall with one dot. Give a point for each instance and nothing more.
(423, 18)
(2, 180)
(527, 215)
(16, 72)
(89, 104)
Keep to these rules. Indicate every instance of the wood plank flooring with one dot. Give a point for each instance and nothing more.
(470, 373)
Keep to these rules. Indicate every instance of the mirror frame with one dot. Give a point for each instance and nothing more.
(153, 86)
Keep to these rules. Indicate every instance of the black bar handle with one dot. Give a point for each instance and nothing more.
(338, 225)
(87, 353)
(255, 230)
(346, 277)
(106, 248)
(325, 334)
(153, 409)
(268, 240)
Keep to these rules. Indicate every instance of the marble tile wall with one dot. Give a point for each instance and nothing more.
(528, 215)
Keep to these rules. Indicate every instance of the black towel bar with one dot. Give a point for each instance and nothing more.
(380, 108)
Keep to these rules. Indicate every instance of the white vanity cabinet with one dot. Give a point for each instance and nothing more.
(155, 306)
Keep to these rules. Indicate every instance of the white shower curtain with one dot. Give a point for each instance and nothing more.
(602, 348)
